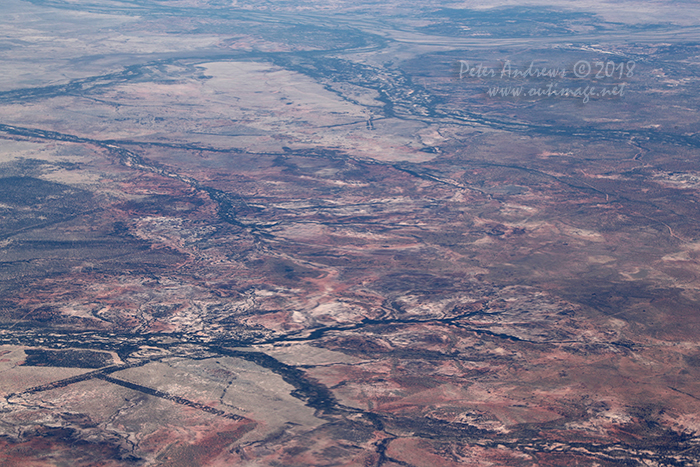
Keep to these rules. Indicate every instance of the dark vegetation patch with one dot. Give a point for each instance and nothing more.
(516, 21)
(29, 191)
(67, 358)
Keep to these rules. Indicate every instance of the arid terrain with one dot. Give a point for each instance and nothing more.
(349, 233)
